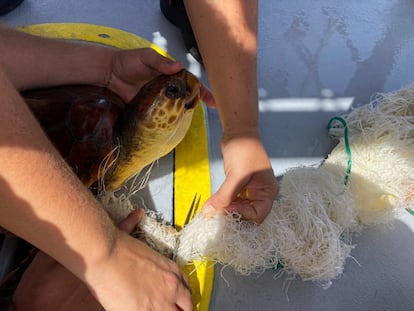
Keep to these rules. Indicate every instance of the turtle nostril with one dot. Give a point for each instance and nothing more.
(191, 104)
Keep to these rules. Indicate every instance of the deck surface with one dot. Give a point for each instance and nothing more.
(316, 59)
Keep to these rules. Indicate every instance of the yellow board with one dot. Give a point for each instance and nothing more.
(192, 178)
(191, 173)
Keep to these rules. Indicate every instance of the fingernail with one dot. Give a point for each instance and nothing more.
(169, 61)
(209, 211)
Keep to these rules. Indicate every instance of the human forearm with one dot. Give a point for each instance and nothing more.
(42, 200)
(226, 34)
(32, 61)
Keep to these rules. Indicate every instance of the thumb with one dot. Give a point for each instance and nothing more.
(224, 196)
(132, 220)
(157, 62)
(167, 66)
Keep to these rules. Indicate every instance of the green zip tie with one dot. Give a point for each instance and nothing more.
(346, 143)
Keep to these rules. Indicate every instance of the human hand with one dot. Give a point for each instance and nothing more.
(47, 285)
(145, 280)
(250, 186)
(131, 69)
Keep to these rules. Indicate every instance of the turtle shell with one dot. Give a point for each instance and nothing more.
(82, 121)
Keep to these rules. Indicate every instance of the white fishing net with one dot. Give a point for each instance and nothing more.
(366, 179)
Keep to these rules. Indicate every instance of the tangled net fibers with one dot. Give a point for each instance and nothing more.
(366, 180)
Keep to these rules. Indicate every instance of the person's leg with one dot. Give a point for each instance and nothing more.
(7, 6)
(174, 11)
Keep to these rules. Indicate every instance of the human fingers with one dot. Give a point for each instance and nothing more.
(207, 96)
(131, 221)
(160, 63)
(256, 199)
(184, 302)
(223, 197)
(254, 202)
(252, 197)
(131, 69)
(176, 291)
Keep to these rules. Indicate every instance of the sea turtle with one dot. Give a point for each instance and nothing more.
(101, 136)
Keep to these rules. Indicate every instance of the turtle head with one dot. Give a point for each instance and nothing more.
(181, 90)
(162, 102)
(171, 96)
(155, 122)
(165, 107)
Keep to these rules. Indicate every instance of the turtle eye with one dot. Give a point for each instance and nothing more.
(173, 91)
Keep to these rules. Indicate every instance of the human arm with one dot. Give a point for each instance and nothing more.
(226, 33)
(47, 285)
(44, 203)
(32, 61)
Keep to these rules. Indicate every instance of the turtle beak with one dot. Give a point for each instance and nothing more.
(193, 90)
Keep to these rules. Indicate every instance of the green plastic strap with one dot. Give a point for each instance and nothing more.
(346, 143)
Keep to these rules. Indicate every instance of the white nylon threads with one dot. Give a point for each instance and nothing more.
(156, 233)
(226, 239)
(299, 231)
